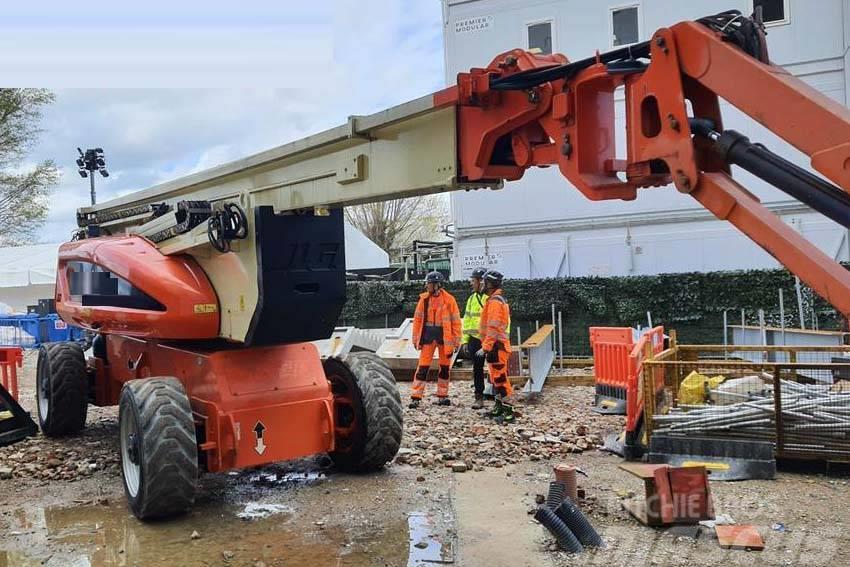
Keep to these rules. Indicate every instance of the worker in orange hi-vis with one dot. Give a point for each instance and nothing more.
(436, 327)
(496, 345)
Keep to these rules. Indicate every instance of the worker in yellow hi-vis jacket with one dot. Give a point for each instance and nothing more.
(471, 340)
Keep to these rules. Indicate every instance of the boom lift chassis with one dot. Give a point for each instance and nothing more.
(204, 291)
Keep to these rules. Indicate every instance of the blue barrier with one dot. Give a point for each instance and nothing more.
(32, 330)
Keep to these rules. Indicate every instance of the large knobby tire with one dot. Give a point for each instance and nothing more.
(159, 450)
(368, 413)
(61, 388)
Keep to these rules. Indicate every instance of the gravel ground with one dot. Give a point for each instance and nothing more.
(482, 515)
(556, 424)
(36, 460)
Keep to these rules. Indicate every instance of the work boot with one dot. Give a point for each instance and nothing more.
(443, 402)
(497, 410)
(479, 402)
(414, 403)
(507, 417)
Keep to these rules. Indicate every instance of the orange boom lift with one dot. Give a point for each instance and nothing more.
(204, 292)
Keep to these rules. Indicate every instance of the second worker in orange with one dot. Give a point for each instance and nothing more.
(436, 327)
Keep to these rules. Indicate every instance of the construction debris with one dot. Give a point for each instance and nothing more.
(438, 436)
(66, 459)
(674, 495)
(739, 537)
(350, 339)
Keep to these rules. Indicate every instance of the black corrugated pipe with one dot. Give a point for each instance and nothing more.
(572, 517)
(566, 539)
(557, 491)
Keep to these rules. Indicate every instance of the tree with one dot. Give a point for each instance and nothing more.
(24, 188)
(395, 224)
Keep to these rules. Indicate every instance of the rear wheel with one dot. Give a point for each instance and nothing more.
(159, 451)
(61, 388)
(367, 412)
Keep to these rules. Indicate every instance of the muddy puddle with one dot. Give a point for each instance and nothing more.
(425, 546)
(267, 517)
(110, 535)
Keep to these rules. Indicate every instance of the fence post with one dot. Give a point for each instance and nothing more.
(674, 346)
(554, 331)
(519, 350)
(648, 379)
(777, 407)
(561, 338)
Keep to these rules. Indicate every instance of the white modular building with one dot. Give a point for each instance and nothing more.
(541, 226)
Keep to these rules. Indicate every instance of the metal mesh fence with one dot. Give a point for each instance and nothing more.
(796, 397)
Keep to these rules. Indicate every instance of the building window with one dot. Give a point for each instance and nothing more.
(540, 37)
(624, 26)
(773, 12)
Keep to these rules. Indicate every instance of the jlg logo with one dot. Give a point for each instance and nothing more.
(312, 256)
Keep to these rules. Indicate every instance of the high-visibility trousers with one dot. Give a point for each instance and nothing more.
(426, 355)
(497, 363)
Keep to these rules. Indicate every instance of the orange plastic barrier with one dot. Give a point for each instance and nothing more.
(634, 393)
(11, 358)
(611, 349)
(617, 364)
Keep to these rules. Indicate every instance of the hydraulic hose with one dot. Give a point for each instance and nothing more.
(737, 29)
(737, 149)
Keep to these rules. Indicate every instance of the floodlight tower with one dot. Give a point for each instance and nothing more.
(89, 162)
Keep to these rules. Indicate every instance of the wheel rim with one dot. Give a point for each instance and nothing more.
(43, 390)
(130, 452)
(346, 420)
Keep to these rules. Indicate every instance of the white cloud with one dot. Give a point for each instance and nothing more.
(379, 53)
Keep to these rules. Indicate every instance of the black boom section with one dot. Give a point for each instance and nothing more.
(301, 276)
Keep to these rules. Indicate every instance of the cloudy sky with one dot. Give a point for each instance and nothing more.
(179, 86)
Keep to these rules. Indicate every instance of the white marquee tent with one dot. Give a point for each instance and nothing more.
(27, 273)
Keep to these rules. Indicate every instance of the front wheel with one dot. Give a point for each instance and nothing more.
(159, 451)
(61, 388)
(367, 412)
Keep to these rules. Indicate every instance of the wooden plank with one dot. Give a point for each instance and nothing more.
(769, 348)
(538, 337)
(574, 362)
(462, 375)
(642, 470)
(733, 364)
(801, 331)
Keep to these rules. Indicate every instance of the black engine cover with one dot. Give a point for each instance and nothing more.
(301, 273)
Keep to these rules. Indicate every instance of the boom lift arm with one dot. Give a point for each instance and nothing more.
(521, 111)
(205, 290)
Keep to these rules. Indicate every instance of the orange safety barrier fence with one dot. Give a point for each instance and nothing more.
(617, 366)
(11, 358)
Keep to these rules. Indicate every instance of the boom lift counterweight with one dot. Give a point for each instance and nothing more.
(215, 282)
